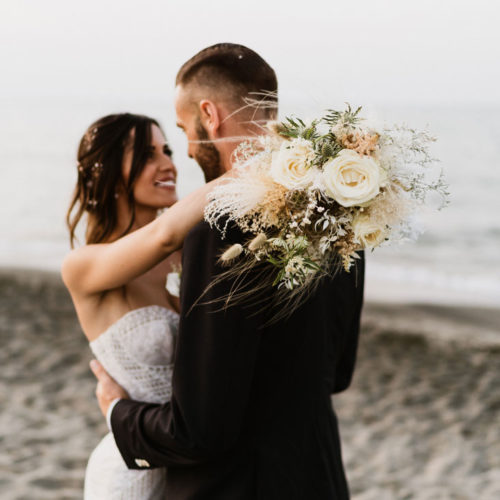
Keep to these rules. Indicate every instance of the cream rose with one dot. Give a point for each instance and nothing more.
(352, 179)
(367, 232)
(291, 166)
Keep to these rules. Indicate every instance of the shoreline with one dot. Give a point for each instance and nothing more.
(441, 322)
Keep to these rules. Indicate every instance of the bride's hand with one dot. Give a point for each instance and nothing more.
(107, 389)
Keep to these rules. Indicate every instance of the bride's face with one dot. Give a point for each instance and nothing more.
(156, 185)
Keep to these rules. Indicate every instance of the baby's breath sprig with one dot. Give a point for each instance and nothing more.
(289, 255)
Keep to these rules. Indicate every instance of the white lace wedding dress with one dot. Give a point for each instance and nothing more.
(137, 351)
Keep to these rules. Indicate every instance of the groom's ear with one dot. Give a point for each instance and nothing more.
(210, 117)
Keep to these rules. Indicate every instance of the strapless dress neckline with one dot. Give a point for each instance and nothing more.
(137, 316)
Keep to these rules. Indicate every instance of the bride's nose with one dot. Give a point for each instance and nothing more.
(167, 165)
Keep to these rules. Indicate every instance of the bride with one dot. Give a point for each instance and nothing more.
(117, 280)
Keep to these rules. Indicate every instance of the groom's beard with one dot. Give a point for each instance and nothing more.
(207, 156)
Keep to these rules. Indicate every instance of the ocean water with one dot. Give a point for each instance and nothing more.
(456, 260)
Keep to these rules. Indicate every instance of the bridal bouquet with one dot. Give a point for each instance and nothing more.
(311, 195)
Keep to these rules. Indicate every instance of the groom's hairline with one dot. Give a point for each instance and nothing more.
(209, 92)
(233, 101)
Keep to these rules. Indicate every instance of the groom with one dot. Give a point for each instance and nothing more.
(250, 415)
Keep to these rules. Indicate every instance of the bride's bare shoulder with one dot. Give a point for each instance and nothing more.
(75, 263)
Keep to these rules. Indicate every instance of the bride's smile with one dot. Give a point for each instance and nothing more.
(155, 188)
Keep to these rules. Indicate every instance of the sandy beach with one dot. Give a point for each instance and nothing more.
(421, 419)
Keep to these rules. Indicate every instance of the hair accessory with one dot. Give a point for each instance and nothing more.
(96, 169)
(89, 137)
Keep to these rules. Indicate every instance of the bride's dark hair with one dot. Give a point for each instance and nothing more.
(100, 158)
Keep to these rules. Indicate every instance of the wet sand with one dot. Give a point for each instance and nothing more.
(421, 419)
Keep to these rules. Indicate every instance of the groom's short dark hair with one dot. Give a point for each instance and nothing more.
(237, 70)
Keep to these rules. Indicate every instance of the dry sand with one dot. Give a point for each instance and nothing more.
(420, 421)
(422, 417)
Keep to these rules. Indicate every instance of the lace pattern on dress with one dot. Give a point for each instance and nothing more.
(138, 351)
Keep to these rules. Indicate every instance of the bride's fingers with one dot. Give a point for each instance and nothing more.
(97, 369)
(101, 374)
(105, 382)
(107, 388)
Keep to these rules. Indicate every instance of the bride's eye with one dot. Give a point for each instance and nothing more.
(167, 151)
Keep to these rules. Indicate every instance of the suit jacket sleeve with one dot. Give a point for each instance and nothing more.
(348, 297)
(214, 366)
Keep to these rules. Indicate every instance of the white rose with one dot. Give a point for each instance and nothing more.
(367, 232)
(291, 166)
(352, 179)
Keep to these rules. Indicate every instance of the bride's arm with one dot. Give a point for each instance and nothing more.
(104, 266)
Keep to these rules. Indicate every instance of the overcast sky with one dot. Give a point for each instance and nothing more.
(381, 51)
(65, 63)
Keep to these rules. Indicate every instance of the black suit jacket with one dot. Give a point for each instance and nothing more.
(250, 415)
